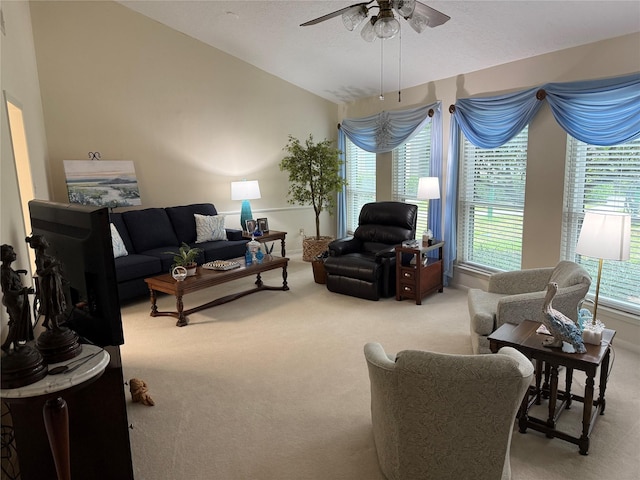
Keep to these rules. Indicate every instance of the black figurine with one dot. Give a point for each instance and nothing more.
(16, 299)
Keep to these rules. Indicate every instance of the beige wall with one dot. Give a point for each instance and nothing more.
(190, 117)
(19, 80)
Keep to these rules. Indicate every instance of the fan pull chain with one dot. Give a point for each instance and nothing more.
(381, 68)
(400, 67)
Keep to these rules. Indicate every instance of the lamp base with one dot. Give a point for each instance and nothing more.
(245, 214)
(592, 333)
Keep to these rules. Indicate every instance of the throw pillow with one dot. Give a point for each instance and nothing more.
(119, 250)
(209, 228)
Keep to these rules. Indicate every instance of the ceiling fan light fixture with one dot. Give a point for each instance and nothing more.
(367, 33)
(404, 7)
(386, 27)
(354, 17)
(418, 22)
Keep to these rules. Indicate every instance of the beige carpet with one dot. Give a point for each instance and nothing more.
(274, 386)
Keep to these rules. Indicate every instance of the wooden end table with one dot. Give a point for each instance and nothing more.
(422, 277)
(270, 236)
(524, 338)
(209, 278)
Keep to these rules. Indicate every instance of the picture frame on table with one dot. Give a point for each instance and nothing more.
(263, 225)
(251, 225)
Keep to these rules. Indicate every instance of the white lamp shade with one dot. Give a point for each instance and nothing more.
(605, 235)
(428, 188)
(245, 190)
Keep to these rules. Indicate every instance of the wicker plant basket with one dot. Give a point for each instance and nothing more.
(311, 247)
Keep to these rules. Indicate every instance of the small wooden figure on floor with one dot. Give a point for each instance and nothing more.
(21, 364)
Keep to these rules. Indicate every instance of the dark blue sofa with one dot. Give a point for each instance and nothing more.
(149, 233)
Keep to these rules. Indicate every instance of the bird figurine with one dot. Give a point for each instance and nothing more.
(561, 327)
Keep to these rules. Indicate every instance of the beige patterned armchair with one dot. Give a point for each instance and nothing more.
(439, 416)
(512, 297)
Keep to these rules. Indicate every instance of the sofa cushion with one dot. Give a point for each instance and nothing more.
(183, 220)
(137, 266)
(150, 228)
(209, 228)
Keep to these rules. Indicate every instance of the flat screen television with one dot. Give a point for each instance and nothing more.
(80, 238)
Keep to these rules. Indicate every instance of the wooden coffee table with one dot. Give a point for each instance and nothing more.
(524, 338)
(210, 278)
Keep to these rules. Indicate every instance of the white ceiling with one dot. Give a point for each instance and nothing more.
(338, 65)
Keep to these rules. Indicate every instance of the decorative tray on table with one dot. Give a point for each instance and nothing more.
(221, 265)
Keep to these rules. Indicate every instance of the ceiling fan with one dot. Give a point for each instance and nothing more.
(384, 24)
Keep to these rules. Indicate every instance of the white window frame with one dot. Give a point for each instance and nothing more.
(410, 161)
(491, 204)
(361, 181)
(604, 179)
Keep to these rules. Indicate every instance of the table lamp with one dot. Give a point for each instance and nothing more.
(428, 188)
(606, 236)
(245, 190)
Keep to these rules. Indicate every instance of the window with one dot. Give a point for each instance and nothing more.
(411, 161)
(604, 179)
(491, 204)
(361, 179)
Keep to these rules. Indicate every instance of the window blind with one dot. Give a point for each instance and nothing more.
(491, 204)
(605, 179)
(411, 161)
(361, 181)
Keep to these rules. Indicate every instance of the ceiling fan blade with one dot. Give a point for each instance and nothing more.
(435, 17)
(334, 14)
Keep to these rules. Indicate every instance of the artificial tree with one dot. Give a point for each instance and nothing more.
(314, 175)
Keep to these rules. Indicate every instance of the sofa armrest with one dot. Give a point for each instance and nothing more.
(520, 281)
(233, 234)
(344, 246)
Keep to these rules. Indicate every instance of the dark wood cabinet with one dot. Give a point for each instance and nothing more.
(98, 430)
(418, 274)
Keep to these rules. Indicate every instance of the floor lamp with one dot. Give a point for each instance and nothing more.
(245, 190)
(605, 236)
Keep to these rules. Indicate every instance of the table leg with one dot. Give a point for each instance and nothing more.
(567, 388)
(284, 278)
(539, 365)
(523, 418)
(182, 319)
(604, 373)
(154, 306)
(282, 249)
(553, 397)
(259, 281)
(56, 422)
(586, 414)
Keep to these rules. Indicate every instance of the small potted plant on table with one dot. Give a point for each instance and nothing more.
(186, 257)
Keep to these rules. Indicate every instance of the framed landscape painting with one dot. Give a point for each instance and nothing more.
(104, 183)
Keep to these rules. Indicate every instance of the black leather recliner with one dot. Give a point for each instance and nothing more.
(364, 265)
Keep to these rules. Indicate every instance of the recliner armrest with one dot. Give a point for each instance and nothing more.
(386, 253)
(344, 246)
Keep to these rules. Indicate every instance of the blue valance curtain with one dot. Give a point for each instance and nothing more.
(382, 133)
(599, 112)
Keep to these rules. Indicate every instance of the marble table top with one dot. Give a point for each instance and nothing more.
(56, 383)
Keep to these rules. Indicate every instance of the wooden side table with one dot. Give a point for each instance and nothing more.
(420, 276)
(49, 391)
(270, 236)
(524, 338)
